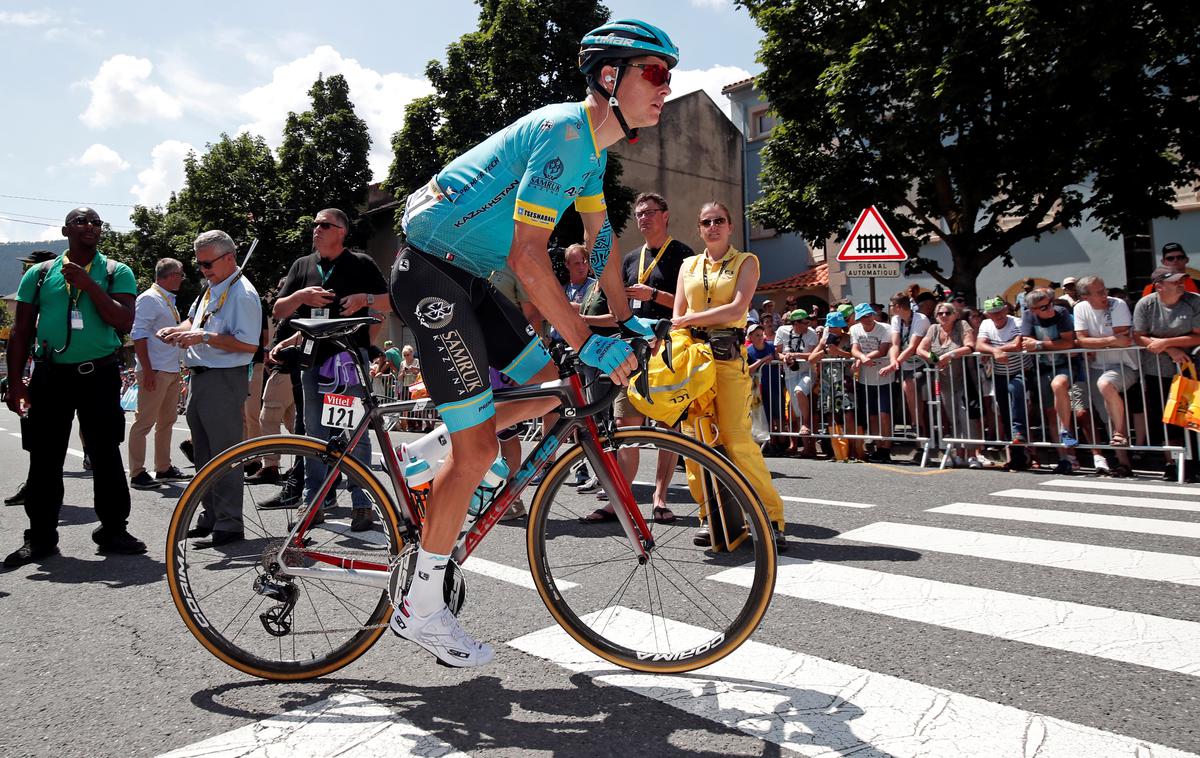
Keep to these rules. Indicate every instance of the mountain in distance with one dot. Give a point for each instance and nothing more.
(11, 267)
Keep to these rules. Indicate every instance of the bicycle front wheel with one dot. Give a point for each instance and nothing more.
(241, 603)
(666, 614)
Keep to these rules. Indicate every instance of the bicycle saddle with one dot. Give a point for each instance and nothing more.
(324, 328)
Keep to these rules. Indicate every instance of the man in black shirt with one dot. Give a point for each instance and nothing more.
(332, 282)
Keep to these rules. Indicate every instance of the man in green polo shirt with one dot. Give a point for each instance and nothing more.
(81, 304)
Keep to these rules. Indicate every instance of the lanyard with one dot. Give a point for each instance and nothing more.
(72, 293)
(163, 294)
(203, 308)
(643, 272)
(325, 275)
(704, 273)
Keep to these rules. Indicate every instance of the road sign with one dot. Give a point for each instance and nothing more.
(871, 240)
(864, 269)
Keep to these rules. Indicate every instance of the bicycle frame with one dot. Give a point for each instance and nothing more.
(575, 414)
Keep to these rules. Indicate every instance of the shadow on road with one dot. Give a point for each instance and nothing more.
(826, 552)
(115, 571)
(584, 719)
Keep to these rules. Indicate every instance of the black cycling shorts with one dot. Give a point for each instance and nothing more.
(462, 325)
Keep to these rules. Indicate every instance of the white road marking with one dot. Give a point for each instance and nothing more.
(1115, 561)
(1138, 638)
(1092, 498)
(818, 501)
(1157, 489)
(1189, 529)
(346, 725)
(818, 707)
(519, 577)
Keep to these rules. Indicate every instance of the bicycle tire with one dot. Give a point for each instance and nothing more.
(188, 576)
(555, 544)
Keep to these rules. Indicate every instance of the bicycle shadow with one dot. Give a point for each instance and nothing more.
(584, 717)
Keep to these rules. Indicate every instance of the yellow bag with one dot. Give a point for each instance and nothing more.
(1184, 391)
(673, 390)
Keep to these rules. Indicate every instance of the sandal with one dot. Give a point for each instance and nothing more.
(804, 431)
(662, 515)
(1121, 471)
(1119, 440)
(598, 516)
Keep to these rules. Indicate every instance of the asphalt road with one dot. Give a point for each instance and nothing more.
(1030, 615)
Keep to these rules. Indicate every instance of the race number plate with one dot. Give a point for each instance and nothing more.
(341, 411)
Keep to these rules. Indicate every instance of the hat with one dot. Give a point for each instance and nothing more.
(835, 318)
(753, 327)
(765, 303)
(846, 310)
(993, 304)
(1164, 274)
(40, 256)
(1173, 247)
(863, 310)
(797, 315)
(388, 343)
(1069, 280)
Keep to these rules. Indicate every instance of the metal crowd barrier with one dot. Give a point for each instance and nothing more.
(421, 417)
(975, 403)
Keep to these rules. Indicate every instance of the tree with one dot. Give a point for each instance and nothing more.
(523, 56)
(323, 161)
(977, 123)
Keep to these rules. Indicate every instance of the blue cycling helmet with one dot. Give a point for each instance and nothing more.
(624, 38)
(614, 42)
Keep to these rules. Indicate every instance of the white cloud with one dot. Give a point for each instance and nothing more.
(26, 18)
(11, 231)
(51, 234)
(379, 99)
(122, 93)
(103, 161)
(716, 5)
(165, 175)
(711, 80)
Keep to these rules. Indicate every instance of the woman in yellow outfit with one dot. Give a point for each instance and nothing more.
(713, 296)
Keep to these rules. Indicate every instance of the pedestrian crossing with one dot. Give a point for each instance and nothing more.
(774, 690)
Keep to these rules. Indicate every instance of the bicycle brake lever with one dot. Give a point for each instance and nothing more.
(662, 331)
(641, 349)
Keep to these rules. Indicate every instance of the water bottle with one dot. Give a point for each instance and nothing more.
(492, 482)
(419, 476)
(433, 447)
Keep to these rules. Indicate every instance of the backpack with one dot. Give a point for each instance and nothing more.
(688, 384)
(44, 268)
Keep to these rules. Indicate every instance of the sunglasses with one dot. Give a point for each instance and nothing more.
(707, 222)
(81, 221)
(206, 265)
(945, 313)
(325, 225)
(655, 73)
(647, 213)
(1173, 258)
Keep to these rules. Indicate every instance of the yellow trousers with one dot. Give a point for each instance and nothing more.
(732, 417)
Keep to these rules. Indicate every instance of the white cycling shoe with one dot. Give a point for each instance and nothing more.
(442, 635)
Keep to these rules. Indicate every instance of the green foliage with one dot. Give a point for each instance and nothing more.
(322, 162)
(523, 56)
(979, 123)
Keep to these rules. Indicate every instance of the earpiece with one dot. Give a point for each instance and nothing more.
(609, 79)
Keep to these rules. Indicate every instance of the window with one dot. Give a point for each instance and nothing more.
(762, 121)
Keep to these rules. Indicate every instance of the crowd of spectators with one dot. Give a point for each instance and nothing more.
(1058, 368)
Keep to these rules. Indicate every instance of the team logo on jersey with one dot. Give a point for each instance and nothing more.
(553, 169)
(434, 312)
(546, 125)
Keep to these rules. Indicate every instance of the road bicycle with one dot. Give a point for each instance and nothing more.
(304, 595)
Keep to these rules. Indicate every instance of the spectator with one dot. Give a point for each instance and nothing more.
(332, 282)
(836, 401)
(220, 334)
(87, 301)
(1026, 287)
(1048, 327)
(795, 341)
(158, 379)
(958, 300)
(1174, 259)
(764, 367)
(1103, 323)
(1069, 291)
(908, 327)
(252, 408)
(925, 303)
(578, 281)
(1000, 337)
(950, 339)
(1167, 324)
(712, 298)
(278, 408)
(872, 346)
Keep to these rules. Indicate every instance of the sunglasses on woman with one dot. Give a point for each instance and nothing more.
(655, 73)
(707, 222)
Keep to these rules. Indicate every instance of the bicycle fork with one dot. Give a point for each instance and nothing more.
(606, 463)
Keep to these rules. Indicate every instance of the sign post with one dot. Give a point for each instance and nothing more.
(871, 250)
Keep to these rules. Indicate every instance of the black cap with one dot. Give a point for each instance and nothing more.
(39, 256)
(1173, 247)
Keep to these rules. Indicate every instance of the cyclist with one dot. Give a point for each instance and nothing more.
(497, 205)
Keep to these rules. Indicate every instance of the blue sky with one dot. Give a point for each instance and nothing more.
(104, 100)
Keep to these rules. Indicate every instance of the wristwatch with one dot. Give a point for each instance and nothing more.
(370, 299)
(207, 336)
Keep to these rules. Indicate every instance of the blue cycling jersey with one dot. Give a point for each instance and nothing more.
(528, 172)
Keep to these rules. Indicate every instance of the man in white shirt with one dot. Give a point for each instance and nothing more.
(1000, 337)
(794, 341)
(871, 344)
(157, 376)
(908, 327)
(1103, 323)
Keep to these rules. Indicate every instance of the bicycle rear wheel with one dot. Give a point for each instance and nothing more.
(244, 607)
(666, 614)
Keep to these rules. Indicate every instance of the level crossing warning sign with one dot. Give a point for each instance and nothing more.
(871, 240)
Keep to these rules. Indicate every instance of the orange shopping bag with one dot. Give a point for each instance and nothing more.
(1184, 390)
